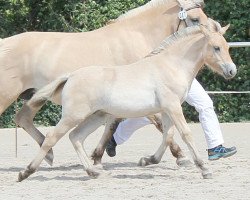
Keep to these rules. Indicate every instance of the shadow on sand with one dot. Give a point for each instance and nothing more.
(82, 176)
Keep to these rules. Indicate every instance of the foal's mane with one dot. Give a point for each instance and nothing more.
(174, 38)
(149, 5)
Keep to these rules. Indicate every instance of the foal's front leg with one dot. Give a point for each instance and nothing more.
(175, 112)
(79, 134)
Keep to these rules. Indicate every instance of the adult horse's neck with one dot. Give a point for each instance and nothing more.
(153, 23)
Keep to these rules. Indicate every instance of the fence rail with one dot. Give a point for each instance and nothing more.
(239, 44)
(228, 92)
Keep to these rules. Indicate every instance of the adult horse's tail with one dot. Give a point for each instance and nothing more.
(47, 91)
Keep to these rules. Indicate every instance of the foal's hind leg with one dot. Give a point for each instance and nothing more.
(64, 125)
(111, 126)
(181, 159)
(24, 118)
(79, 134)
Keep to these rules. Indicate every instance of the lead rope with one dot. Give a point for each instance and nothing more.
(16, 129)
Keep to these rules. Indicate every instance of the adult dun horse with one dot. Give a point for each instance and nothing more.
(31, 60)
(156, 84)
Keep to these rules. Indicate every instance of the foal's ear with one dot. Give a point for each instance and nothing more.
(213, 25)
(224, 29)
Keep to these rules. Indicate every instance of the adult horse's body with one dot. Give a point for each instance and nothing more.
(30, 60)
(155, 84)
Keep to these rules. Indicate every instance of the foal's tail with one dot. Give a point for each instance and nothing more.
(47, 91)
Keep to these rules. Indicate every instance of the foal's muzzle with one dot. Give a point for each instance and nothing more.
(229, 70)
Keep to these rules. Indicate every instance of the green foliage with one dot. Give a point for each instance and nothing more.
(18, 16)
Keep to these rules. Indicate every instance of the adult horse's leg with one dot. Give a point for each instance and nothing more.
(24, 118)
(175, 112)
(64, 125)
(79, 134)
(110, 129)
(111, 126)
(156, 159)
(181, 159)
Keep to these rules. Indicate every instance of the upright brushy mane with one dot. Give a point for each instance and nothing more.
(136, 11)
(174, 38)
(151, 4)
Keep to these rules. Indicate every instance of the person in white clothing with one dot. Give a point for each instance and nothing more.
(203, 104)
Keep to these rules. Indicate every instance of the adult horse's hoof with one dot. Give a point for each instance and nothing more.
(144, 161)
(207, 175)
(92, 173)
(97, 156)
(183, 162)
(96, 171)
(49, 157)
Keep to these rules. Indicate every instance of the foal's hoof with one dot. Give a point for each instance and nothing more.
(207, 175)
(97, 161)
(23, 175)
(26, 173)
(97, 156)
(183, 162)
(92, 173)
(49, 157)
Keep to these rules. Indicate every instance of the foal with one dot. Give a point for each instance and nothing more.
(156, 84)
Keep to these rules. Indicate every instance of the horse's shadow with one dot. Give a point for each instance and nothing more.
(106, 166)
(59, 168)
(125, 165)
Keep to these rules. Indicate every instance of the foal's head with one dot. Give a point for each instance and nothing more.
(217, 51)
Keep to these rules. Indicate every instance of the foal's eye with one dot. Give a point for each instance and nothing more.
(195, 21)
(217, 48)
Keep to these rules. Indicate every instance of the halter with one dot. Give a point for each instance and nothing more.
(182, 15)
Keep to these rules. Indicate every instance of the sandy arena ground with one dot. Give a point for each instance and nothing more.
(67, 180)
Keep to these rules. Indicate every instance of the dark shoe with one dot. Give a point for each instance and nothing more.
(110, 148)
(220, 152)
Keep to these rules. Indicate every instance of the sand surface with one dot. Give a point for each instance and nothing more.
(67, 179)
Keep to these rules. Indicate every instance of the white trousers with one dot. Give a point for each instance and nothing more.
(203, 104)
